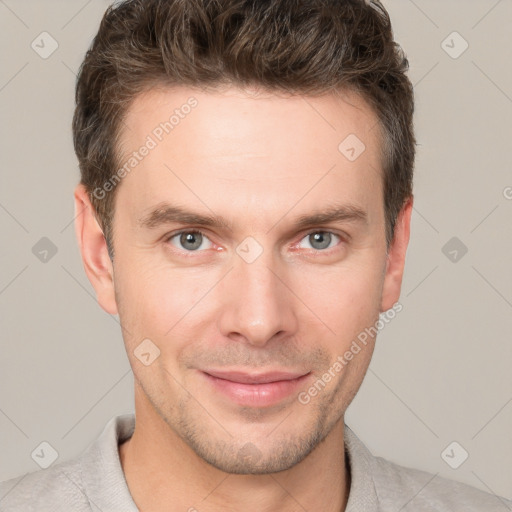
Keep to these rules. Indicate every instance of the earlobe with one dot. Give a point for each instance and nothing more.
(94, 251)
(396, 257)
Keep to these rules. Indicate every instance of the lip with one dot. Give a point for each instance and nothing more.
(262, 389)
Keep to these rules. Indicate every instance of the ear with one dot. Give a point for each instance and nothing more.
(396, 257)
(93, 247)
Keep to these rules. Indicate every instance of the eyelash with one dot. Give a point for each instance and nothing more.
(169, 237)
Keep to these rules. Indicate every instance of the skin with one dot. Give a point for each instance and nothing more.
(260, 161)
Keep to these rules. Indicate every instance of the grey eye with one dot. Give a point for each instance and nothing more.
(320, 240)
(189, 241)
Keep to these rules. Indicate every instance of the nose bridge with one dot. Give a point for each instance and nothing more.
(258, 305)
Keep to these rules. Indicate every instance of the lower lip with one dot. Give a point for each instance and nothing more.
(257, 395)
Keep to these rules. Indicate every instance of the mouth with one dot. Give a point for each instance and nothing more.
(262, 389)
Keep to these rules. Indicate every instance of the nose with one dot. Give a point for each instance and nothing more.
(257, 304)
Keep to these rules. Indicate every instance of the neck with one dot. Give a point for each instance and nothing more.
(160, 468)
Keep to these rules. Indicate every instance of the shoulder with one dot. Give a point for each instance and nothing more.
(92, 481)
(379, 484)
(57, 488)
(416, 490)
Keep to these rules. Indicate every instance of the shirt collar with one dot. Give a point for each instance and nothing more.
(362, 496)
(107, 490)
(102, 473)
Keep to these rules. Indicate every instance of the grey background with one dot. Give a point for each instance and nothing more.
(441, 369)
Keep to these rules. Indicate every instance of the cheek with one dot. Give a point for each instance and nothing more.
(346, 299)
(153, 298)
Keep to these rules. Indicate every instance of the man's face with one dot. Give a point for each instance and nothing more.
(251, 310)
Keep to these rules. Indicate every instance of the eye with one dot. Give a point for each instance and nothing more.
(320, 240)
(190, 241)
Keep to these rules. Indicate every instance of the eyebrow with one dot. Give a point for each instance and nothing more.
(341, 213)
(166, 213)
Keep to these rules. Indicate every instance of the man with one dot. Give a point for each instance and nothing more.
(276, 139)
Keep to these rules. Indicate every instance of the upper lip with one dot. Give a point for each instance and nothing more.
(255, 378)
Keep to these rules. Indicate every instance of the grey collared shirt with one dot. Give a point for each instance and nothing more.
(95, 481)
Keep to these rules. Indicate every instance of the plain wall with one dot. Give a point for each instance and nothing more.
(441, 371)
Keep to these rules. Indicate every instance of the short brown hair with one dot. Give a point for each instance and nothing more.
(307, 47)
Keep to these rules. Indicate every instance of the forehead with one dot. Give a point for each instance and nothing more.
(330, 117)
(207, 146)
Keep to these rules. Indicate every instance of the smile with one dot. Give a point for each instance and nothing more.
(255, 389)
